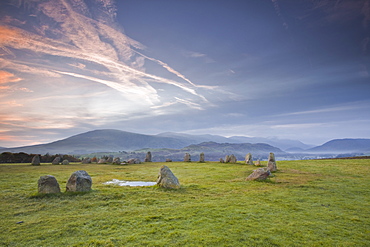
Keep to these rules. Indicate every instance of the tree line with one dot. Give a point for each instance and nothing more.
(8, 157)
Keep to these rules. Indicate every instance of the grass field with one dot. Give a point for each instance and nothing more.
(306, 203)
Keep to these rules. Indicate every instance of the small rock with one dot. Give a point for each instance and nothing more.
(168, 160)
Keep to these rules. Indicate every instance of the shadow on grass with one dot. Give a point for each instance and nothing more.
(60, 195)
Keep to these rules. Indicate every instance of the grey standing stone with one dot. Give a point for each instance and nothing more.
(134, 161)
(65, 162)
(259, 174)
(148, 157)
(117, 161)
(222, 160)
(248, 159)
(271, 165)
(56, 161)
(227, 159)
(102, 161)
(86, 161)
(79, 181)
(36, 160)
(48, 184)
(187, 157)
(201, 157)
(110, 160)
(167, 179)
(232, 159)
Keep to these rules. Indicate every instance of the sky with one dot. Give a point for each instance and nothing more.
(269, 68)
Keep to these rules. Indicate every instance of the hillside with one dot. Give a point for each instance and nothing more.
(107, 140)
(343, 146)
(212, 150)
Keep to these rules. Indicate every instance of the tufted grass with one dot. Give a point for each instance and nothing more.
(306, 203)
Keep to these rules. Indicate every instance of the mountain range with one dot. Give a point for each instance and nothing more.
(109, 140)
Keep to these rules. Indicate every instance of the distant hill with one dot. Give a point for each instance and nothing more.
(283, 144)
(343, 146)
(106, 140)
(212, 150)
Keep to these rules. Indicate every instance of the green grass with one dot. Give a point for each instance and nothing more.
(306, 203)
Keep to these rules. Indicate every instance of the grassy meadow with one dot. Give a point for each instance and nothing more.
(306, 203)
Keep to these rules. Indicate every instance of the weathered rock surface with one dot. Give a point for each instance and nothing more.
(116, 161)
(56, 161)
(86, 161)
(148, 157)
(65, 162)
(134, 161)
(187, 157)
(167, 179)
(48, 184)
(35, 160)
(248, 159)
(201, 157)
(259, 174)
(271, 165)
(102, 161)
(79, 181)
(110, 160)
(232, 159)
(258, 163)
(227, 159)
(222, 160)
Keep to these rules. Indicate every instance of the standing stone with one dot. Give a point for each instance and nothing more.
(232, 159)
(168, 160)
(110, 160)
(167, 179)
(56, 161)
(134, 161)
(79, 181)
(148, 157)
(259, 174)
(102, 161)
(187, 157)
(65, 162)
(227, 159)
(258, 163)
(271, 166)
(248, 159)
(86, 161)
(36, 160)
(201, 157)
(117, 161)
(48, 184)
(222, 160)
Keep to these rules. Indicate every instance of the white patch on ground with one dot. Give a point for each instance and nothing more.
(130, 183)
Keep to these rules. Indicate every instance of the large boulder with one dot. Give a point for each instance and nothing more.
(271, 165)
(134, 161)
(187, 157)
(110, 160)
(56, 161)
(148, 157)
(36, 160)
(248, 159)
(259, 174)
(167, 179)
(79, 181)
(48, 184)
(201, 157)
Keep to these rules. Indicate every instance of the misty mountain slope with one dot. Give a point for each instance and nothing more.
(343, 145)
(102, 141)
